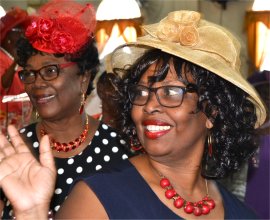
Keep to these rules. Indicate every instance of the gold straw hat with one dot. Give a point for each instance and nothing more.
(184, 34)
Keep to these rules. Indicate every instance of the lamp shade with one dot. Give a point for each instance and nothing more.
(118, 9)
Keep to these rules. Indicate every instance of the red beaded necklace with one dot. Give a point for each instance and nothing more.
(65, 147)
(203, 206)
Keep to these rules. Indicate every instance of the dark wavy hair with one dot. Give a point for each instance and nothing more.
(87, 58)
(227, 106)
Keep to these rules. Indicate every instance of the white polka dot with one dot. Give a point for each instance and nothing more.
(35, 144)
(97, 133)
(105, 141)
(124, 156)
(29, 134)
(80, 153)
(97, 150)
(22, 130)
(105, 127)
(115, 149)
(58, 191)
(89, 159)
(69, 180)
(98, 167)
(8, 203)
(56, 208)
(113, 134)
(70, 161)
(79, 169)
(122, 141)
(107, 158)
(60, 171)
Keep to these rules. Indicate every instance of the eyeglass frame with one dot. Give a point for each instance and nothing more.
(191, 88)
(58, 67)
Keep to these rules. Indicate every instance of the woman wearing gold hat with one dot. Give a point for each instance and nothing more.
(186, 105)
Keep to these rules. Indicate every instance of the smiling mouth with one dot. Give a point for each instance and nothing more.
(44, 99)
(157, 128)
(156, 131)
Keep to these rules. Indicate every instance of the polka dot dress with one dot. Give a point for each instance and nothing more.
(105, 149)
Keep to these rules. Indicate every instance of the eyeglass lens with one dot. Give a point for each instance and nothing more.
(47, 73)
(168, 96)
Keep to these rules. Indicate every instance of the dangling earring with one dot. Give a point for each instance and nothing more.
(135, 144)
(82, 103)
(209, 164)
(36, 115)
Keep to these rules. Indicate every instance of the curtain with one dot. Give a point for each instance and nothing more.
(255, 35)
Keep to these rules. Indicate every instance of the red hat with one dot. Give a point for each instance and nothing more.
(12, 18)
(62, 26)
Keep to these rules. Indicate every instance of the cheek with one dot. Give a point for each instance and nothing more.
(136, 116)
(68, 86)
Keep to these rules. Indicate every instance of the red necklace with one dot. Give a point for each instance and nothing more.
(203, 206)
(65, 147)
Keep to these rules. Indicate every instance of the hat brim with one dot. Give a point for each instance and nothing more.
(127, 54)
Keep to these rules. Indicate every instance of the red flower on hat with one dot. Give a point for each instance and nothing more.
(62, 42)
(47, 35)
(45, 28)
(62, 27)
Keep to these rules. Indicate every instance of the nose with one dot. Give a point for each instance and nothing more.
(152, 105)
(39, 81)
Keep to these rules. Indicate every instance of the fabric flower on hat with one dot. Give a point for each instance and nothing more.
(180, 27)
(62, 26)
(53, 35)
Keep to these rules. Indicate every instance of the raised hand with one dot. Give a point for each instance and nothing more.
(27, 183)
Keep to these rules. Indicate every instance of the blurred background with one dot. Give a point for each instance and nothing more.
(239, 16)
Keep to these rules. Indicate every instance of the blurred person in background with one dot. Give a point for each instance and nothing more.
(12, 27)
(109, 94)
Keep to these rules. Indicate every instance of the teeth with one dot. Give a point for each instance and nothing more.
(46, 98)
(155, 128)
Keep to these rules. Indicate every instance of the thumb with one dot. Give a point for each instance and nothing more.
(45, 154)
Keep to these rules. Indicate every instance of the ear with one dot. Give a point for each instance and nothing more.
(208, 123)
(85, 81)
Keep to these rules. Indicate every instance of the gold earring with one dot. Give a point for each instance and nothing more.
(209, 163)
(36, 115)
(83, 98)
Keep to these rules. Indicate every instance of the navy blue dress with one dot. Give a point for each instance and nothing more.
(125, 195)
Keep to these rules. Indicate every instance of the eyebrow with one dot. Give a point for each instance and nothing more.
(169, 83)
(46, 63)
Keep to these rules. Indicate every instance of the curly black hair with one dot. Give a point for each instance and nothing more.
(87, 58)
(227, 106)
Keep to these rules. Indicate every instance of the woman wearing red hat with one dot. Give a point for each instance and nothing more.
(12, 27)
(60, 60)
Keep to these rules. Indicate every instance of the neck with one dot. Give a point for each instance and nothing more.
(66, 129)
(185, 177)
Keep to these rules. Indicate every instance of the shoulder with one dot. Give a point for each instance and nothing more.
(120, 176)
(233, 207)
(111, 138)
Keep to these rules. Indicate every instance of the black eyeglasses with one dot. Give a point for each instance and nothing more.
(47, 73)
(167, 96)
